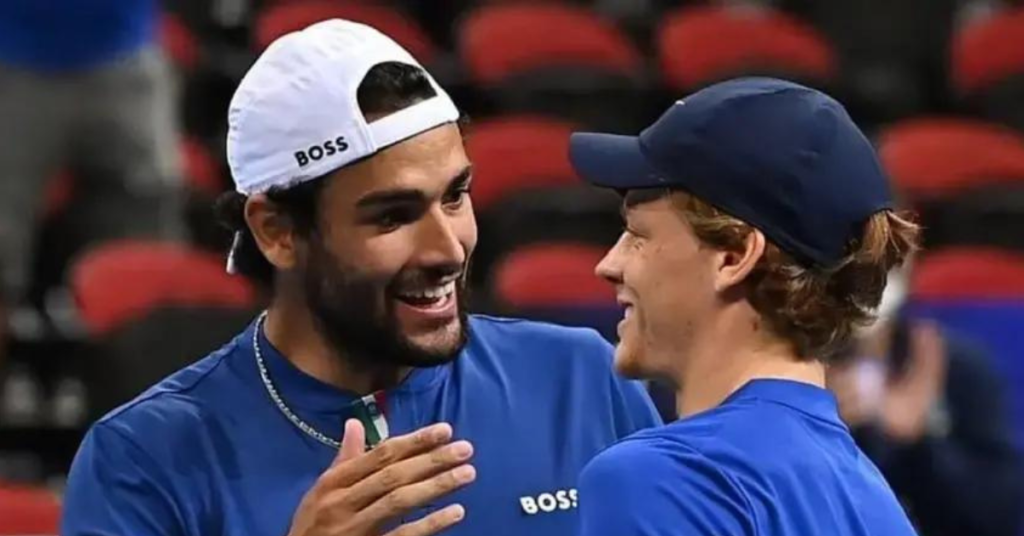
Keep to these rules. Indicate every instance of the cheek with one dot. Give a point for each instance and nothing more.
(377, 260)
(671, 290)
(466, 229)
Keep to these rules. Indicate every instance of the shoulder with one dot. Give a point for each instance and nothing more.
(540, 339)
(656, 476)
(174, 406)
(565, 363)
(567, 356)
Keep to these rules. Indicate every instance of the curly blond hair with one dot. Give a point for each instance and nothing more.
(816, 310)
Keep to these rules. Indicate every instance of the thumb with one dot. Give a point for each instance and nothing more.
(927, 350)
(353, 443)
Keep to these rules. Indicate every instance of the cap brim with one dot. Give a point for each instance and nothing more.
(612, 161)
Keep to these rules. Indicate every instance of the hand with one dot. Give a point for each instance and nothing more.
(910, 398)
(362, 491)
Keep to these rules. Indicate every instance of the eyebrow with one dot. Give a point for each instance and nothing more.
(409, 195)
(390, 197)
(462, 177)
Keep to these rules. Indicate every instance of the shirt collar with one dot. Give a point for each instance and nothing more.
(302, 391)
(804, 397)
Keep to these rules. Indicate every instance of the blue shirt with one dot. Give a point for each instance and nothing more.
(774, 459)
(70, 35)
(207, 452)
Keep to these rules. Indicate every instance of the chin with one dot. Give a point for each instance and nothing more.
(437, 346)
(629, 363)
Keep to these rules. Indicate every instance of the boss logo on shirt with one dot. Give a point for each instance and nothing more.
(563, 499)
(317, 152)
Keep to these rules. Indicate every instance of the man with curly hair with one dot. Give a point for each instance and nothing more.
(759, 232)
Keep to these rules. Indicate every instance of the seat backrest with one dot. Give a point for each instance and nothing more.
(936, 157)
(555, 282)
(26, 511)
(987, 51)
(513, 153)
(550, 275)
(286, 17)
(179, 43)
(702, 44)
(500, 41)
(118, 281)
(202, 172)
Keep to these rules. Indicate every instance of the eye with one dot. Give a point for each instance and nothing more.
(456, 197)
(392, 219)
(631, 231)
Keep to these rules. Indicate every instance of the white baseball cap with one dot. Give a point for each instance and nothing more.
(295, 115)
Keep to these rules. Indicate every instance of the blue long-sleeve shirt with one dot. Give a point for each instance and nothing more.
(58, 36)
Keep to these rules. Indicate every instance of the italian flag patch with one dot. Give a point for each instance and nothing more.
(370, 411)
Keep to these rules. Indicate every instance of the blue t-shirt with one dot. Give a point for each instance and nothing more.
(206, 451)
(774, 459)
(71, 35)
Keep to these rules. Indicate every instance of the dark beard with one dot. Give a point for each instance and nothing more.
(355, 314)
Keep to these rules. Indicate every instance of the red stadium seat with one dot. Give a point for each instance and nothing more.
(515, 153)
(934, 157)
(699, 45)
(969, 273)
(179, 43)
(500, 41)
(988, 51)
(201, 170)
(26, 511)
(286, 17)
(119, 281)
(552, 275)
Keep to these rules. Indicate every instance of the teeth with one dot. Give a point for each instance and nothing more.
(433, 292)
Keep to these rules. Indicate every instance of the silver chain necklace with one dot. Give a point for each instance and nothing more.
(278, 401)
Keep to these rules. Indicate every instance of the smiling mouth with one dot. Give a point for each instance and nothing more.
(436, 297)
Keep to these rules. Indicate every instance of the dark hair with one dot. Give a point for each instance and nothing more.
(387, 88)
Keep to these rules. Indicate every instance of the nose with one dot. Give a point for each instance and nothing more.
(610, 267)
(440, 243)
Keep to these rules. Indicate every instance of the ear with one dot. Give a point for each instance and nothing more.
(734, 266)
(273, 232)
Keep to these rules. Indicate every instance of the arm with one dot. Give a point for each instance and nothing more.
(115, 489)
(646, 489)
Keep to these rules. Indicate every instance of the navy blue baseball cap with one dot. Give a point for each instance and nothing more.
(784, 158)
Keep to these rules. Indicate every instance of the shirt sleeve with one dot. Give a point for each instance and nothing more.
(638, 489)
(114, 489)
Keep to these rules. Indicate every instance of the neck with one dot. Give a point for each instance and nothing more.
(734, 351)
(291, 328)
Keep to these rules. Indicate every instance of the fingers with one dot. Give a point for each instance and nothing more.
(353, 441)
(406, 472)
(391, 451)
(926, 369)
(413, 496)
(433, 523)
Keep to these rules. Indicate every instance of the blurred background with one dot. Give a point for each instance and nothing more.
(112, 122)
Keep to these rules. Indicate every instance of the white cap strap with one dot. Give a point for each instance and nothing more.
(413, 120)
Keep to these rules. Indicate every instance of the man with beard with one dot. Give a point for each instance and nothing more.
(365, 400)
